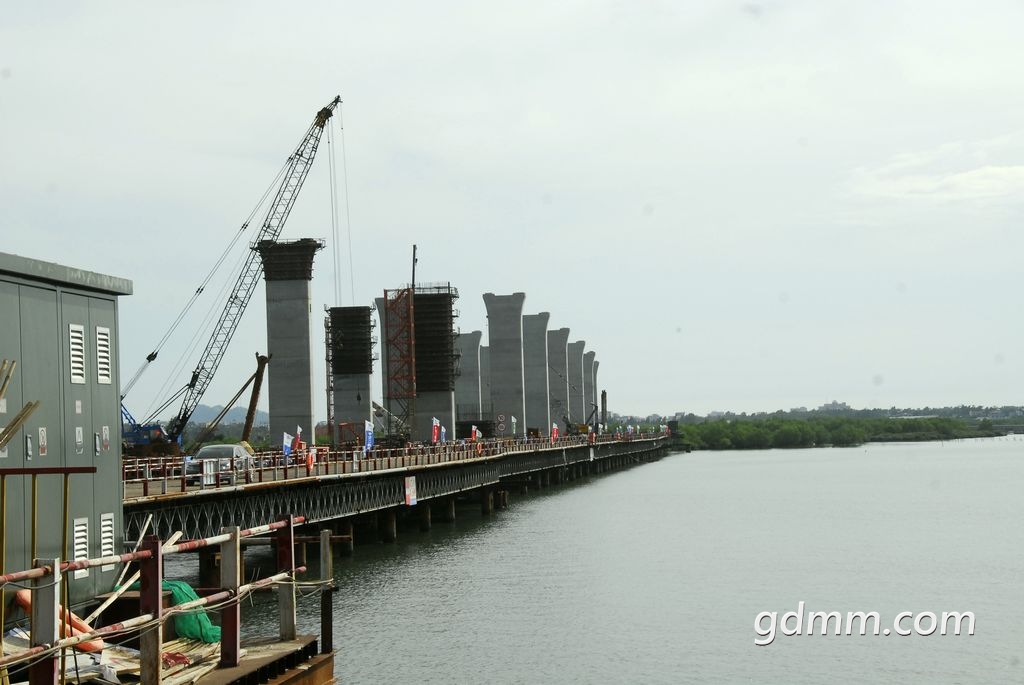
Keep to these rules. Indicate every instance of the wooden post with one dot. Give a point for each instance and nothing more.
(326, 595)
(285, 591)
(230, 615)
(151, 593)
(45, 622)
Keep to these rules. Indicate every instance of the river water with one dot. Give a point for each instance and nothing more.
(655, 574)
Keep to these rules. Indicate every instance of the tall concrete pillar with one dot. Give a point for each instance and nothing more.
(467, 383)
(485, 383)
(558, 375)
(434, 405)
(351, 348)
(381, 306)
(588, 385)
(594, 393)
(288, 269)
(574, 366)
(505, 339)
(535, 373)
(434, 332)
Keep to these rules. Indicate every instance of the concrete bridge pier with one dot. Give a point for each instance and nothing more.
(486, 501)
(209, 567)
(365, 528)
(344, 527)
(547, 479)
(423, 515)
(447, 510)
(387, 525)
(538, 480)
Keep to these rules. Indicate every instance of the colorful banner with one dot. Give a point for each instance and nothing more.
(286, 444)
(435, 430)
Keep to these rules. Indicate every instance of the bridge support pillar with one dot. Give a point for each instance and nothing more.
(209, 567)
(547, 479)
(345, 527)
(447, 513)
(423, 514)
(486, 502)
(387, 525)
(538, 480)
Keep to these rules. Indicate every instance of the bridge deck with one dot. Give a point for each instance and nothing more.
(340, 484)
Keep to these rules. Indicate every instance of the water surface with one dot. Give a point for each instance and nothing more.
(655, 574)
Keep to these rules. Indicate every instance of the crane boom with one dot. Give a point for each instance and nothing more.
(295, 173)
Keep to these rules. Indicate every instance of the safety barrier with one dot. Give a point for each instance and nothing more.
(47, 575)
(147, 476)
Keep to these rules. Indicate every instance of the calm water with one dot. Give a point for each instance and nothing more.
(655, 574)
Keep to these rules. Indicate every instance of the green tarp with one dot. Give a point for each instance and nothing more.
(195, 624)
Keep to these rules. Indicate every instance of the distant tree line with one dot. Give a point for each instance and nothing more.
(821, 431)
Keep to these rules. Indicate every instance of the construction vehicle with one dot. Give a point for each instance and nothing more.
(293, 176)
(143, 440)
(581, 428)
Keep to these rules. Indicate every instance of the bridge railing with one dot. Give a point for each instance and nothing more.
(168, 475)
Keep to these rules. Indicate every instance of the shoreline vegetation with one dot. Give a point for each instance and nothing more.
(825, 432)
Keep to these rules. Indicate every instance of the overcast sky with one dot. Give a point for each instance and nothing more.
(742, 206)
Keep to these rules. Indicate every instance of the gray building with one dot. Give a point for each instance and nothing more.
(505, 339)
(60, 329)
(535, 372)
(288, 269)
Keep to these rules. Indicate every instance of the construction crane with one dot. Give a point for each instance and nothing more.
(294, 175)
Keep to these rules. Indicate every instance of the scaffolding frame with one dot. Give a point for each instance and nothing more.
(400, 337)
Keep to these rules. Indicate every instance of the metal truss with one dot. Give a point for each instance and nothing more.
(202, 514)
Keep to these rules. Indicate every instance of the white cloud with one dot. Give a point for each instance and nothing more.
(975, 171)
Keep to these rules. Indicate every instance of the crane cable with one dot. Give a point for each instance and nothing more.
(201, 332)
(348, 215)
(335, 241)
(202, 286)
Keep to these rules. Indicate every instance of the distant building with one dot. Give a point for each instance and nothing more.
(834, 407)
